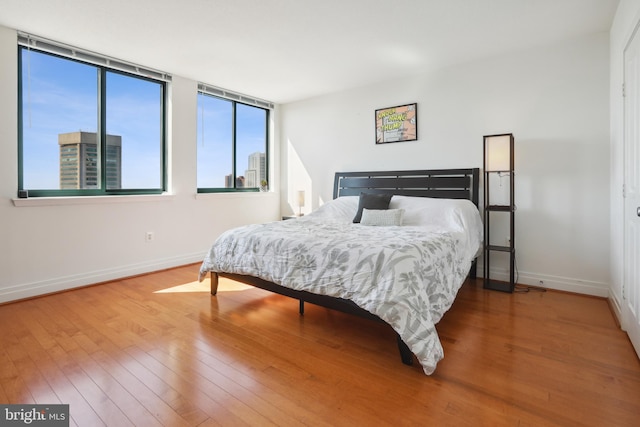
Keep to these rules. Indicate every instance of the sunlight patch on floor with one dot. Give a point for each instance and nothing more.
(224, 285)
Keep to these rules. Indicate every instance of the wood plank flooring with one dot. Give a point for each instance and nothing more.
(159, 350)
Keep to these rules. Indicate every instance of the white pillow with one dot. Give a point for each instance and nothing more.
(458, 215)
(340, 209)
(434, 212)
(382, 218)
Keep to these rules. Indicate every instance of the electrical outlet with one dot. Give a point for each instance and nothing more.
(149, 236)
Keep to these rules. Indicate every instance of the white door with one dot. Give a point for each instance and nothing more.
(631, 280)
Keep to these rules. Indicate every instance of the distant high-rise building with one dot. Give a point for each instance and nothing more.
(257, 170)
(79, 161)
(228, 181)
(254, 174)
(250, 178)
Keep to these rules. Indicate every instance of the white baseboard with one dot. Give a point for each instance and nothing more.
(616, 308)
(58, 284)
(29, 290)
(567, 284)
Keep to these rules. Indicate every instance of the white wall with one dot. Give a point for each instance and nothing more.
(555, 99)
(46, 248)
(626, 18)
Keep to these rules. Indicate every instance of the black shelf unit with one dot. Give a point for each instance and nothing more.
(503, 167)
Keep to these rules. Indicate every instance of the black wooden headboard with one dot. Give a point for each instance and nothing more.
(439, 183)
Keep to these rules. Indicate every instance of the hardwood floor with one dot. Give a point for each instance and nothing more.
(160, 350)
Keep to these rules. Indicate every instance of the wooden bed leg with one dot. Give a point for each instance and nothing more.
(301, 310)
(405, 353)
(214, 283)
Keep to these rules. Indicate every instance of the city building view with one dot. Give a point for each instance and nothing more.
(80, 164)
(255, 173)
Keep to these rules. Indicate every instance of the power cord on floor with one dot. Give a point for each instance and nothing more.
(523, 289)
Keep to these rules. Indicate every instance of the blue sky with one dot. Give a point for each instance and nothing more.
(215, 157)
(61, 96)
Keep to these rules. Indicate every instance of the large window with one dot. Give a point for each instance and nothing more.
(232, 145)
(87, 129)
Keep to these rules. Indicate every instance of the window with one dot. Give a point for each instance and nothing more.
(86, 128)
(232, 143)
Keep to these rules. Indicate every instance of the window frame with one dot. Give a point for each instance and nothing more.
(102, 132)
(236, 99)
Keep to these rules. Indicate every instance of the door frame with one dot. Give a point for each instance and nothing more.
(629, 322)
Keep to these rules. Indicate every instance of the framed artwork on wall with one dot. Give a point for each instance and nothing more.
(396, 124)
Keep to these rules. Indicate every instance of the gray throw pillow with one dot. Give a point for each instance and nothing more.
(372, 201)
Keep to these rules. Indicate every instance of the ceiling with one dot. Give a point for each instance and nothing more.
(288, 50)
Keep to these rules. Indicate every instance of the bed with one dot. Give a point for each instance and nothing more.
(401, 262)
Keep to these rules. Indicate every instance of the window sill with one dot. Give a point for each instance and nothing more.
(90, 200)
(235, 195)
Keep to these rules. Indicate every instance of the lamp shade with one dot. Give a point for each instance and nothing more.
(498, 152)
(301, 198)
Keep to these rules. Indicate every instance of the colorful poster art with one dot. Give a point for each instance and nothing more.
(397, 124)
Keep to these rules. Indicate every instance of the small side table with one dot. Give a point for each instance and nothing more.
(286, 217)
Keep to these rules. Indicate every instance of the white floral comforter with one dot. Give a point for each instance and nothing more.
(406, 275)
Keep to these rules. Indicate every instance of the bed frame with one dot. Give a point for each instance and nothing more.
(438, 183)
